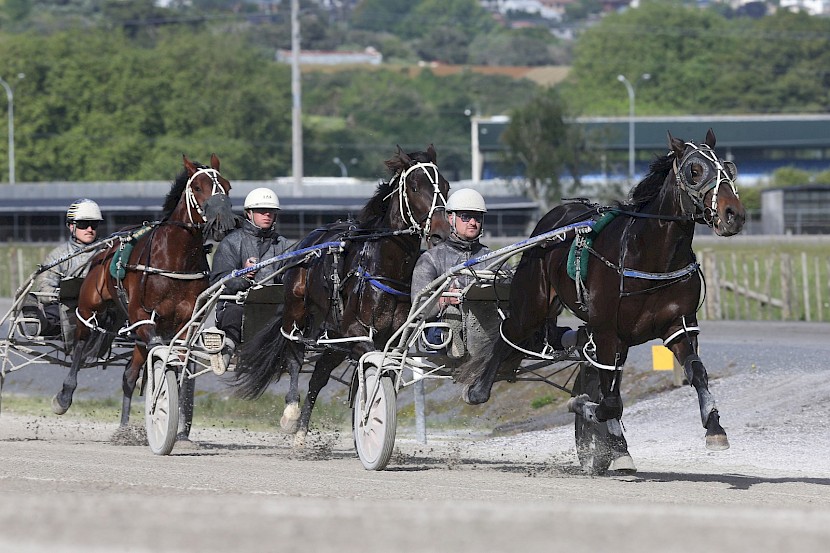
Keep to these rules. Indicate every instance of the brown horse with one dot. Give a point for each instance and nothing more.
(344, 306)
(642, 283)
(164, 272)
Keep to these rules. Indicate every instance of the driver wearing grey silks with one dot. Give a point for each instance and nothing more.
(465, 213)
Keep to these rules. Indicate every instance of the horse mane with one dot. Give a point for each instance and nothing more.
(375, 208)
(176, 189)
(649, 188)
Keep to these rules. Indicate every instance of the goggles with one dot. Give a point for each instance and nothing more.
(87, 224)
(466, 216)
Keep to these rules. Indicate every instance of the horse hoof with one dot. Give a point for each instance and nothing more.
(576, 404)
(57, 408)
(717, 442)
(623, 463)
(290, 420)
(186, 444)
(470, 400)
(299, 439)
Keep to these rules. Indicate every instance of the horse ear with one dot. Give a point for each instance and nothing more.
(188, 165)
(432, 155)
(677, 145)
(710, 138)
(214, 161)
(403, 157)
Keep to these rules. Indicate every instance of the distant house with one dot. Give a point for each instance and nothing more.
(369, 56)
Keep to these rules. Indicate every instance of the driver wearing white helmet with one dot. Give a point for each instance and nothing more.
(465, 213)
(82, 220)
(257, 240)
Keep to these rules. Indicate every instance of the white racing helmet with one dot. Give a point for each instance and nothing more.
(466, 199)
(262, 198)
(83, 210)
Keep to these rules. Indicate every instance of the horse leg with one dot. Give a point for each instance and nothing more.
(533, 301)
(601, 405)
(186, 393)
(290, 420)
(479, 391)
(63, 399)
(319, 379)
(685, 350)
(128, 382)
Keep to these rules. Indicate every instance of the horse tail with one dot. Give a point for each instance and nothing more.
(470, 370)
(99, 340)
(260, 361)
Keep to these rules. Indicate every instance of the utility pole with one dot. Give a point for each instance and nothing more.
(630, 89)
(296, 100)
(10, 98)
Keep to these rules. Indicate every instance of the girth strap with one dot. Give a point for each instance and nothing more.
(177, 275)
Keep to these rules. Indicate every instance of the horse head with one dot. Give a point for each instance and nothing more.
(207, 200)
(421, 193)
(700, 173)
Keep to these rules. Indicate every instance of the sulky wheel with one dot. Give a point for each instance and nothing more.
(375, 420)
(161, 408)
(592, 440)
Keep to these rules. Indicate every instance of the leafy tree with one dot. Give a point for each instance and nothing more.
(381, 15)
(445, 44)
(382, 108)
(783, 65)
(510, 48)
(682, 48)
(790, 176)
(465, 15)
(126, 115)
(539, 139)
(17, 10)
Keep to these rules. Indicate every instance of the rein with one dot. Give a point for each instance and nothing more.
(376, 281)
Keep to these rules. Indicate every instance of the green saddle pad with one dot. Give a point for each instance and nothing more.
(600, 224)
(118, 265)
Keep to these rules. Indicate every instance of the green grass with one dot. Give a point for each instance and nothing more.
(755, 263)
(210, 410)
(17, 262)
(542, 401)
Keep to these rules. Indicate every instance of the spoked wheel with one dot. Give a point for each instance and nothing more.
(375, 420)
(161, 408)
(592, 439)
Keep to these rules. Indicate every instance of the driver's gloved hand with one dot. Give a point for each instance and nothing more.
(237, 284)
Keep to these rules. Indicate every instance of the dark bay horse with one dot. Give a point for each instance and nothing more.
(163, 273)
(642, 281)
(361, 295)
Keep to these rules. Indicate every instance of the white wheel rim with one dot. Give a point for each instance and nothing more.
(371, 432)
(159, 416)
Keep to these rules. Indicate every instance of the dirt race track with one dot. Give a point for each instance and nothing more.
(64, 487)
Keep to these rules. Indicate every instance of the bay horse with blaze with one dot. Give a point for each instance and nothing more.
(164, 269)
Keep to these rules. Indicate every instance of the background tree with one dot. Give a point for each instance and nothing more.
(539, 139)
(682, 48)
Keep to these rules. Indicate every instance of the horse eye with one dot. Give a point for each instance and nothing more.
(697, 170)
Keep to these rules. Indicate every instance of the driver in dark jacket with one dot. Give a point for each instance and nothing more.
(257, 240)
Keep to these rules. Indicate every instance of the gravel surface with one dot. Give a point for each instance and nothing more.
(68, 485)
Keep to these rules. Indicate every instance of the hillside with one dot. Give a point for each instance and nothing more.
(545, 76)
